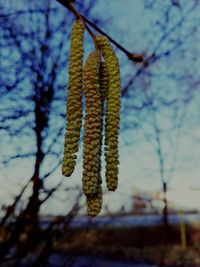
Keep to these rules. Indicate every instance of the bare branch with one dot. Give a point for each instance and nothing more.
(132, 56)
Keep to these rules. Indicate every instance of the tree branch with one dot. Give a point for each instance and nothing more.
(131, 56)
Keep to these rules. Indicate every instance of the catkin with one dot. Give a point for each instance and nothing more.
(74, 98)
(103, 87)
(103, 83)
(112, 112)
(92, 128)
(94, 202)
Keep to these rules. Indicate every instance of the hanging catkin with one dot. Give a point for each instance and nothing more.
(103, 87)
(102, 90)
(74, 98)
(94, 202)
(92, 128)
(103, 83)
(112, 112)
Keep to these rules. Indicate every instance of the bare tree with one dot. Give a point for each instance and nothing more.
(34, 45)
(158, 96)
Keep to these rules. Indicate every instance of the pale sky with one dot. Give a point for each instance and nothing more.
(139, 168)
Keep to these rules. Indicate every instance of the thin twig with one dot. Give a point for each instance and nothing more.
(132, 56)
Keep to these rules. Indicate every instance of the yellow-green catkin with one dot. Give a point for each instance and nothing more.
(92, 128)
(94, 203)
(103, 83)
(112, 112)
(103, 88)
(74, 98)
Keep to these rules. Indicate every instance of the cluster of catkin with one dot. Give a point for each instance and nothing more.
(99, 79)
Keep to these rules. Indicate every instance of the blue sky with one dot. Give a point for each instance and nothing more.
(127, 21)
(171, 77)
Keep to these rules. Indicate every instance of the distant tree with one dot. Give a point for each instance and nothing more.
(161, 94)
(34, 54)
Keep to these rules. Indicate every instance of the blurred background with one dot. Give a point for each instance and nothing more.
(153, 218)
